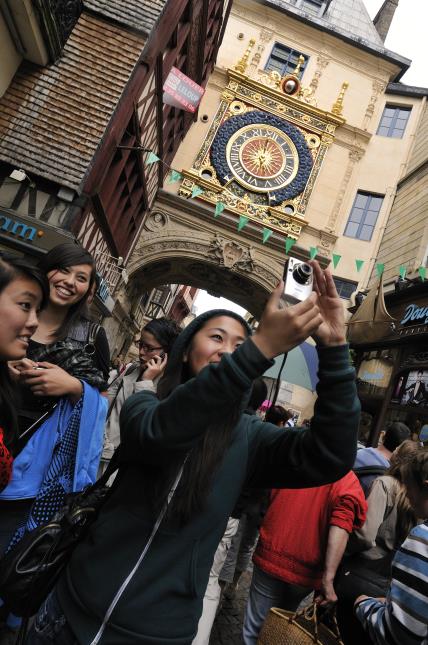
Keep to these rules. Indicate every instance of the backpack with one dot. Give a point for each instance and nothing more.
(363, 472)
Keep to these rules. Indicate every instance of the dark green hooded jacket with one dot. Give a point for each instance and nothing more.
(163, 603)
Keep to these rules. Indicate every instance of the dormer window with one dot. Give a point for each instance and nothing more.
(284, 60)
(315, 7)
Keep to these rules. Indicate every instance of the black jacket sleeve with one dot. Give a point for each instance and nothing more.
(151, 429)
(298, 458)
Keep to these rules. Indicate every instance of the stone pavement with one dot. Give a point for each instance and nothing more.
(227, 628)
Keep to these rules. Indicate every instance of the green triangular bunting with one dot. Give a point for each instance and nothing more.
(266, 234)
(336, 260)
(174, 176)
(219, 208)
(402, 271)
(243, 221)
(289, 242)
(422, 272)
(313, 252)
(196, 191)
(359, 264)
(152, 158)
(380, 268)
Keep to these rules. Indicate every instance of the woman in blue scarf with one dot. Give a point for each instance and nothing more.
(60, 383)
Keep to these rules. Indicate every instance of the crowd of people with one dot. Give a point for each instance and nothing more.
(204, 483)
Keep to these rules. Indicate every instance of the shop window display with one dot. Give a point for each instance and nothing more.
(411, 389)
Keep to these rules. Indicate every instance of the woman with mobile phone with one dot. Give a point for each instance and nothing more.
(156, 341)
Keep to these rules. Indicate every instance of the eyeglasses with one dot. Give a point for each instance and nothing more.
(149, 349)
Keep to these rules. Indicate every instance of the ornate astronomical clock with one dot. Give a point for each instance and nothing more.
(264, 149)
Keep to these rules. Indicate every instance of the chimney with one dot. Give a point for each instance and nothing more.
(384, 16)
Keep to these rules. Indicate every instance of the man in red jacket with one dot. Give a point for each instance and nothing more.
(302, 541)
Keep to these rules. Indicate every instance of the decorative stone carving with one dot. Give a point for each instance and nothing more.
(378, 87)
(322, 62)
(355, 154)
(156, 220)
(230, 254)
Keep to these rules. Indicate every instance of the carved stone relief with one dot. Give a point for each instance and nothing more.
(156, 220)
(230, 254)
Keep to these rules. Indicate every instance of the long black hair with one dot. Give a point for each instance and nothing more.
(205, 457)
(165, 330)
(11, 268)
(63, 256)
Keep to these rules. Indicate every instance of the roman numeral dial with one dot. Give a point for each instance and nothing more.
(262, 158)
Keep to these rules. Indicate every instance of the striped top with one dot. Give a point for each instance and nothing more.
(403, 618)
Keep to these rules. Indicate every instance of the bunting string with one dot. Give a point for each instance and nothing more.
(174, 176)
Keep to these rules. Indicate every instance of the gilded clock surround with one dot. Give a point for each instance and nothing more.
(310, 130)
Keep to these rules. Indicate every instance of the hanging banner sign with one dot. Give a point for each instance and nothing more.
(180, 91)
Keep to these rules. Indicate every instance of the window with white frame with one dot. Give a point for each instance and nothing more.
(393, 122)
(284, 60)
(344, 287)
(363, 217)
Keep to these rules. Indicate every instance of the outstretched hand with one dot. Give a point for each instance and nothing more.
(332, 329)
(282, 329)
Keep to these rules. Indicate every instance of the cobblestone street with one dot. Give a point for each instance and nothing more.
(227, 629)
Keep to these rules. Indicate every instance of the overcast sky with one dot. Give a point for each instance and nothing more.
(408, 37)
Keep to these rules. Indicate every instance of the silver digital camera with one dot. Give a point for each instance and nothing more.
(298, 281)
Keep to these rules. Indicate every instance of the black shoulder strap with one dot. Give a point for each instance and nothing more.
(363, 471)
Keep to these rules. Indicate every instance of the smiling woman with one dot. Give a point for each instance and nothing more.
(23, 291)
(62, 413)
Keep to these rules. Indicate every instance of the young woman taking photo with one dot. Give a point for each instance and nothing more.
(61, 413)
(199, 421)
(23, 292)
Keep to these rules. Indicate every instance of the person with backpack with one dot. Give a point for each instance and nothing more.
(373, 462)
(371, 548)
(401, 615)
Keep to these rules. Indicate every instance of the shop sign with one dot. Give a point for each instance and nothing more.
(18, 229)
(416, 315)
(180, 91)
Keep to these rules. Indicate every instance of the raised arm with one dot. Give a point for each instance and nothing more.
(326, 451)
(150, 429)
(321, 454)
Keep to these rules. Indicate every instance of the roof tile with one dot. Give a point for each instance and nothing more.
(52, 119)
(137, 14)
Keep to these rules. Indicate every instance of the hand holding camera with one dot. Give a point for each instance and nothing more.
(320, 315)
(332, 330)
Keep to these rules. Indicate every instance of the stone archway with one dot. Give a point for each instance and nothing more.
(177, 247)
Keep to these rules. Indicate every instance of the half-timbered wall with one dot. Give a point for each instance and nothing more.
(129, 186)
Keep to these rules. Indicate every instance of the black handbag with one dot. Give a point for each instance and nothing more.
(29, 571)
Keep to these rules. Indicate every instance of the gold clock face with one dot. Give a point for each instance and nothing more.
(262, 158)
